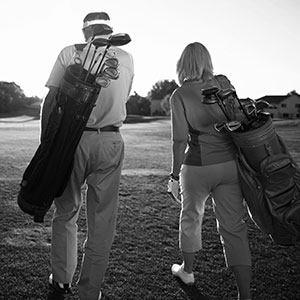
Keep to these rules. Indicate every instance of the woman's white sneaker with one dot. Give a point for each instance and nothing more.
(187, 278)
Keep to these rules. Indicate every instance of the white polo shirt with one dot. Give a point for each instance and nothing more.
(110, 107)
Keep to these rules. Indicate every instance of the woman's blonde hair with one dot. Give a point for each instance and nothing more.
(194, 63)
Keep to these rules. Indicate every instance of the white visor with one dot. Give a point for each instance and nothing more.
(94, 22)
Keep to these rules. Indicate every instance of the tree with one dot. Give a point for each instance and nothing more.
(161, 89)
(137, 105)
(165, 104)
(11, 96)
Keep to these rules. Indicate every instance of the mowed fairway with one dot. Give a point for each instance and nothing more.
(145, 244)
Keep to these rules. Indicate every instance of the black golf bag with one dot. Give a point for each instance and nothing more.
(269, 177)
(48, 172)
(270, 181)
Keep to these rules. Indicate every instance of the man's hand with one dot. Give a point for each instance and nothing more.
(174, 190)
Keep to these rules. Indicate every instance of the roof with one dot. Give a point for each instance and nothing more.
(273, 99)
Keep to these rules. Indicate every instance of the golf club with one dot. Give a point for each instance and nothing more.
(220, 127)
(233, 125)
(262, 117)
(262, 104)
(111, 73)
(227, 126)
(111, 62)
(119, 39)
(98, 42)
(116, 40)
(87, 53)
(242, 107)
(263, 114)
(251, 110)
(102, 81)
(224, 94)
(210, 96)
(105, 77)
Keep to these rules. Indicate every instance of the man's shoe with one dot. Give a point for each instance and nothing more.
(57, 290)
(187, 278)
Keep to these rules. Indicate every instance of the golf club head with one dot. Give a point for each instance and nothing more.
(233, 125)
(263, 115)
(262, 104)
(210, 91)
(111, 73)
(220, 127)
(119, 39)
(102, 81)
(112, 62)
(209, 99)
(251, 109)
(100, 29)
(226, 93)
(100, 42)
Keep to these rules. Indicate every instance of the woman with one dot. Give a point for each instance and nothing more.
(206, 168)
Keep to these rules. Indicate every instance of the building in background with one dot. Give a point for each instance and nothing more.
(284, 107)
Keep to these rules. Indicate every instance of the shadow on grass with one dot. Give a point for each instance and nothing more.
(191, 291)
(132, 119)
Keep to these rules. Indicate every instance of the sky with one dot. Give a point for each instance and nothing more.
(255, 43)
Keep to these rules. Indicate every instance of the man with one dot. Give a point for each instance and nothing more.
(97, 162)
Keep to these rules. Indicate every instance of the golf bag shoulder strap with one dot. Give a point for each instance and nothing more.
(223, 81)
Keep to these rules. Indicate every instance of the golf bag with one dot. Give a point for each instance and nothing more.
(270, 181)
(48, 172)
(269, 177)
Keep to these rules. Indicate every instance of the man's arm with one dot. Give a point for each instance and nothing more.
(47, 107)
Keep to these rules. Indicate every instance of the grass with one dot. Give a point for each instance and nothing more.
(145, 244)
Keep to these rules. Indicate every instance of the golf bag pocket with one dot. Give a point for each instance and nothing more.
(277, 167)
(257, 144)
(280, 175)
(254, 196)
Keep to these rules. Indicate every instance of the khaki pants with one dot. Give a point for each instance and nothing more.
(98, 162)
(222, 183)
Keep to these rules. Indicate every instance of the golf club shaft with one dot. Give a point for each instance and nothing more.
(95, 62)
(242, 108)
(90, 66)
(222, 106)
(102, 59)
(84, 61)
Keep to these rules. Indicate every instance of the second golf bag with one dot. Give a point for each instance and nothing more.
(269, 176)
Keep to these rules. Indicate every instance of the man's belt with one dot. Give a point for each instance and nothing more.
(103, 129)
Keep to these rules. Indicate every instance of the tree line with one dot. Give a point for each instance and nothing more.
(12, 98)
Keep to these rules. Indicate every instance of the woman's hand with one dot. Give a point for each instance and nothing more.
(174, 189)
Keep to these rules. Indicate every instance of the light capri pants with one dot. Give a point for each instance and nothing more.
(98, 162)
(222, 183)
